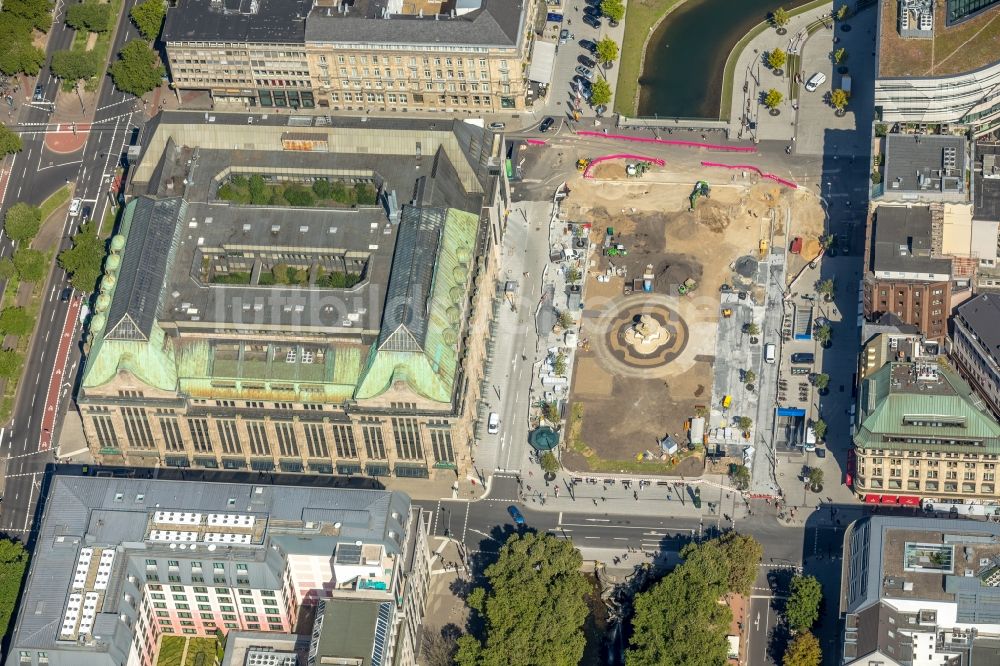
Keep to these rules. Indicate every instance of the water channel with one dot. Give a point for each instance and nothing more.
(682, 74)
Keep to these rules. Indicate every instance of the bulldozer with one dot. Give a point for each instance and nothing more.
(583, 163)
(701, 189)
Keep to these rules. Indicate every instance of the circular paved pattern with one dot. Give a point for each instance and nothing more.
(626, 318)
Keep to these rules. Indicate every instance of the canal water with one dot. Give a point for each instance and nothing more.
(682, 75)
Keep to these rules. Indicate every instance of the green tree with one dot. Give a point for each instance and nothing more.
(680, 620)
(38, 13)
(804, 650)
(840, 55)
(740, 476)
(826, 287)
(13, 562)
(7, 270)
(136, 70)
(566, 319)
(773, 98)
(20, 56)
(22, 222)
(148, 18)
(559, 365)
(259, 194)
(365, 194)
(842, 12)
(744, 423)
(10, 368)
(881, 129)
(780, 17)
(613, 9)
(29, 264)
(298, 195)
(16, 321)
(839, 99)
(607, 51)
(322, 189)
(777, 58)
(751, 329)
(815, 477)
(10, 142)
(819, 429)
(821, 381)
(89, 16)
(550, 410)
(84, 258)
(802, 609)
(74, 65)
(749, 377)
(600, 92)
(824, 334)
(549, 463)
(532, 607)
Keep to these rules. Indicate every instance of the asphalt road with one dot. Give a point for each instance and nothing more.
(36, 174)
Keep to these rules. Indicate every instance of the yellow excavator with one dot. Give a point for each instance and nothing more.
(583, 163)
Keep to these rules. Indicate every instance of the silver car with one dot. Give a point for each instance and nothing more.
(585, 72)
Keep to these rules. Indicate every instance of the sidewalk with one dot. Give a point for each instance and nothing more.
(752, 79)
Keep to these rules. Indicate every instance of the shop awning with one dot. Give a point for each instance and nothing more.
(890, 499)
(909, 500)
(873, 499)
(543, 57)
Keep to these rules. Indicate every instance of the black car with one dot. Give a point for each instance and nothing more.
(589, 45)
(66, 294)
(579, 80)
(546, 124)
(591, 21)
(803, 358)
(591, 10)
(587, 62)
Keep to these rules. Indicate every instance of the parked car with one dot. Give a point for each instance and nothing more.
(585, 72)
(815, 81)
(586, 62)
(589, 45)
(565, 35)
(496, 127)
(803, 358)
(546, 124)
(591, 10)
(515, 514)
(592, 21)
(493, 424)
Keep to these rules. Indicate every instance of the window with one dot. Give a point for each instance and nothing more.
(441, 443)
(286, 438)
(374, 443)
(105, 429)
(316, 440)
(137, 430)
(200, 435)
(406, 432)
(259, 445)
(229, 436)
(343, 438)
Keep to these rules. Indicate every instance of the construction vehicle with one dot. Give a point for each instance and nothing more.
(701, 189)
(583, 163)
(727, 312)
(762, 248)
(637, 169)
(688, 286)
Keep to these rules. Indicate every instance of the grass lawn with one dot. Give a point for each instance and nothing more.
(171, 651)
(201, 652)
(640, 17)
(56, 199)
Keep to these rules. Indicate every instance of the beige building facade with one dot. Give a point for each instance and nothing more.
(297, 377)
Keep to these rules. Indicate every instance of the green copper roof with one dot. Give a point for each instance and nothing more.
(919, 415)
(428, 366)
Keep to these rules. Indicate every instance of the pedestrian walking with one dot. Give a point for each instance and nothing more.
(595, 501)
(604, 499)
(635, 494)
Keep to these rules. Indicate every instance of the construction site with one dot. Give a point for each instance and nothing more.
(662, 254)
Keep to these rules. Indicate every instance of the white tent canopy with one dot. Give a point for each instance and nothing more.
(543, 58)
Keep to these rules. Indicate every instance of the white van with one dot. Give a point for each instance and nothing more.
(810, 443)
(493, 424)
(815, 81)
(74, 207)
(769, 352)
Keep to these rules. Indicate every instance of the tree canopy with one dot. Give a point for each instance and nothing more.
(13, 561)
(84, 259)
(839, 99)
(773, 98)
(10, 368)
(532, 608)
(22, 222)
(30, 265)
(549, 462)
(17, 52)
(15, 321)
(600, 92)
(680, 620)
(613, 9)
(148, 18)
(780, 17)
(776, 58)
(37, 12)
(607, 51)
(802, 609)
(803, 651)
(89, 16)
(136, 70)
(75, 65)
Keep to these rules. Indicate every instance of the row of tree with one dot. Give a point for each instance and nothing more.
(20, 20)
(137, 69)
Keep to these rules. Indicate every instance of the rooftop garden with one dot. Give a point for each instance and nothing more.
(290, 276)
(258, 191)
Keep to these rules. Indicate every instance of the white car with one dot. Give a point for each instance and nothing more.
(74, 207)
(815, 81)
(493, 424)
